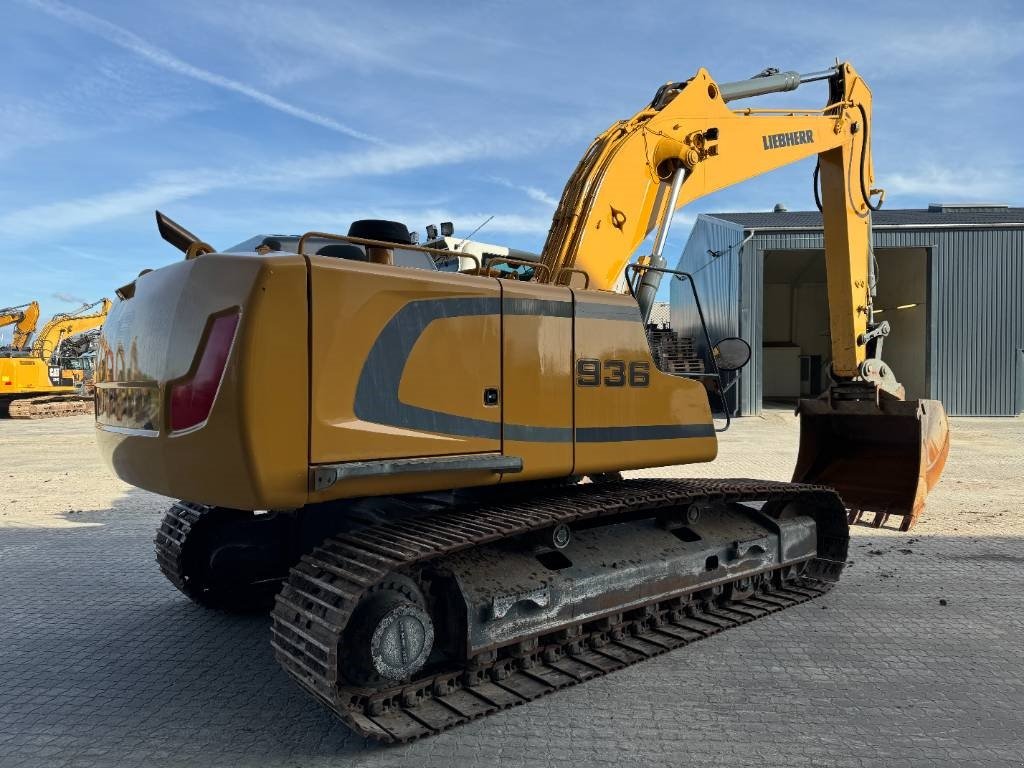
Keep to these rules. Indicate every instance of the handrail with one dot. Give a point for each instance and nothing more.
(633, 271)
(519, 262)
(383, 244)
(573, 271)
(793, 110)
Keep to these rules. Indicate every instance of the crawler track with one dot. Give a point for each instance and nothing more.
(170, 546)
(183, 528)
(324, 588)
(45, 406)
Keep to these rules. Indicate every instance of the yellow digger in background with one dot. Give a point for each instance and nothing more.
(47, 379)
(24, 318)
(422, 467)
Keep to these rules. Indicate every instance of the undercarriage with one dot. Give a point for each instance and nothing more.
(409, 616)
(45, 406)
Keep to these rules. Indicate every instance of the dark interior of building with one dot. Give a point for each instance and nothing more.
(796, 329)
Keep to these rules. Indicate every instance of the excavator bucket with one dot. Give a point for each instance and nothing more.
(880, 453)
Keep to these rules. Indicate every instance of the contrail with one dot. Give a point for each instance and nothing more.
(69, 298)
(131, 42)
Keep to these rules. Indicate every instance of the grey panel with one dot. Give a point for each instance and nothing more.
(978, 283)
(528, 433)
(1018, 404)
(752, 327)
(717, 280)
(545, 307)
(597, 311)
(647, 432)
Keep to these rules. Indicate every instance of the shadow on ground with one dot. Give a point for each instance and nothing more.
(104, 662)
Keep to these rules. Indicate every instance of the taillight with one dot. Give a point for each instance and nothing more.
(192, 398)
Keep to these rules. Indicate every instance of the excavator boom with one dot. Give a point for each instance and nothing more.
(689, 142)
(65, 325)
(24, 319)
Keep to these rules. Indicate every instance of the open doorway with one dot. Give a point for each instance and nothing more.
(797, 344)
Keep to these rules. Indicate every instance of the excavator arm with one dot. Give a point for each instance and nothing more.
(689, 143)
(24, 318)
(63, 326)
(624, 185)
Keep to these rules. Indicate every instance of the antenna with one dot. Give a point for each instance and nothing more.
(467, 237)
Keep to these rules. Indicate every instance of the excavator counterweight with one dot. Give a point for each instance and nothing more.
(432, 498)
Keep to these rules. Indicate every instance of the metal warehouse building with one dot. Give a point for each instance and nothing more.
(950, 282)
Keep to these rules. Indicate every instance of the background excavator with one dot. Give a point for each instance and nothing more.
(50, 378)
(432, 494)
(24, 318)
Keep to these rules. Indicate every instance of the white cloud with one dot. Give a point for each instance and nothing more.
(934, 43)
(366, 41)
(131, 42)
(78, 253)
(534, 193)
(80, 105)
(27, 124)
(951, 183)
(967, 41)
(168, 187)
(69, 298)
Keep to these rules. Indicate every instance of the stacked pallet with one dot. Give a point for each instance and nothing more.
(673, 353)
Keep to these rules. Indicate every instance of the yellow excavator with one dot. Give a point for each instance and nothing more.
(47, 379)
(421, 467)
(24, 318)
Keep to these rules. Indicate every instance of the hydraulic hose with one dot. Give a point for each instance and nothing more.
(815, 177)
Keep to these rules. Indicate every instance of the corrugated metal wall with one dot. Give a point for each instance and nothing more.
(978, 294)
(976, 303)
(717, 280)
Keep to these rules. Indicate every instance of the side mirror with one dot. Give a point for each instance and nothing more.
(731, 353)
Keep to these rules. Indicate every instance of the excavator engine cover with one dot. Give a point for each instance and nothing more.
(880, 453)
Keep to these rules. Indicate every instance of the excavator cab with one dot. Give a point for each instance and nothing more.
(881, 453)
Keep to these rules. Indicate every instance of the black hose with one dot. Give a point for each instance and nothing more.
(814, 184)
(863, 159)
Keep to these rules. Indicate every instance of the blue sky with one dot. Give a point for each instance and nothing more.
(245, 117)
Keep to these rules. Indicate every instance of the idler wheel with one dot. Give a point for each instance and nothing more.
(390, 635)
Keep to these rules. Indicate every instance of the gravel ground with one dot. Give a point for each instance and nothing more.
(103, 663)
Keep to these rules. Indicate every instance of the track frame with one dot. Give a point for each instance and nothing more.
(323, 589)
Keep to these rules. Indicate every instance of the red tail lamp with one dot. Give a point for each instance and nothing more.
(192, 397)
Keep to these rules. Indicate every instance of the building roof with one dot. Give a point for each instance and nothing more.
(935, 215)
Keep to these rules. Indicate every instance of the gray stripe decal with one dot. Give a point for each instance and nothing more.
(653, 432)
(542, 307)
(528, 434)
(594, 311)
(377, 390)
